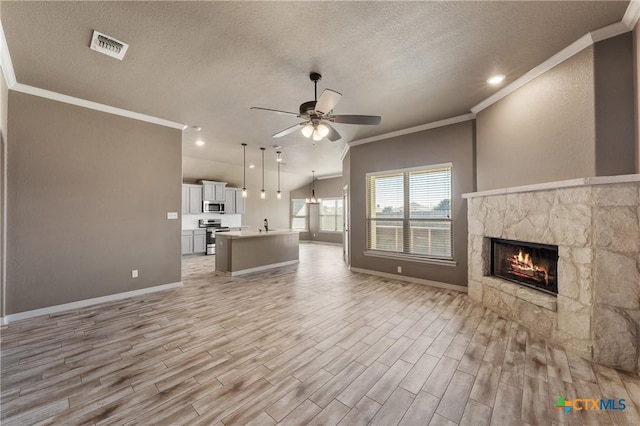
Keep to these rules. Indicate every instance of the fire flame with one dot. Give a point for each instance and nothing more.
(524, 262)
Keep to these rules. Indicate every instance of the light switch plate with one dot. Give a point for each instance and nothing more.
(172, 215)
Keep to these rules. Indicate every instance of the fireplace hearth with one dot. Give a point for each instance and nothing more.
(529, 264)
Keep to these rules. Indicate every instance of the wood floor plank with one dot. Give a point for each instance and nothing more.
(439, 379)
(455, 398)
(509, 409)
(302, 415)
(389, 381)
(486, 384)
(535, 397)
(418, 375)
(476, 414)
(421, 410)
(394, 408)
(361, 414)
(331, 415)
(361, 385)
(323, 396)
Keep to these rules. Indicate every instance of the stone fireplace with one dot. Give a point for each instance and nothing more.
(594, 225)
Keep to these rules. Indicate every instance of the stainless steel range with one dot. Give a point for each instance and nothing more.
(213, 226)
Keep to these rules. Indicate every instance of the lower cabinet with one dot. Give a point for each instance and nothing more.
(194, 241)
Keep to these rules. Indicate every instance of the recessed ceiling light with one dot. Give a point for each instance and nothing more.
(252, 166)
(200, 143)
(496, 79)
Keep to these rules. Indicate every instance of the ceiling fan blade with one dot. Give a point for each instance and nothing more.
(327, 100)
(355, 119)
(289, 130)
(277, 111)
(333, 133)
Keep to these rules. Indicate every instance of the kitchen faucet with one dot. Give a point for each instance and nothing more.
(266, 225)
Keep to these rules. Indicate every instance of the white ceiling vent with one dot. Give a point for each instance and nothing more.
(108, 45)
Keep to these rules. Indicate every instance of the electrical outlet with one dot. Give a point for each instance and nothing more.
(399, 269)
(172, 215)
(134, 273)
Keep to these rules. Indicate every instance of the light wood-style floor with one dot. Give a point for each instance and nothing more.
(307, 344)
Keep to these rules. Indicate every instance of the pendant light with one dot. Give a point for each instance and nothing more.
(279, 160)
(244, 170)
(263, 194)
(313, 199)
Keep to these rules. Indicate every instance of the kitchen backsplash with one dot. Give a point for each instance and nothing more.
(190, 221)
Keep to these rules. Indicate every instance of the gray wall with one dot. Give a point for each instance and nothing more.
(576, 120)
(454, 144)
(88, 196)
(4, 100)
(324, 188)
(542, 132)
(614, 100)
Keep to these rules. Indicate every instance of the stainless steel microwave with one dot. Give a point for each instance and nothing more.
(212, 207)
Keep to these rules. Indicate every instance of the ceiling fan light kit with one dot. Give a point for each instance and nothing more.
(317, 115)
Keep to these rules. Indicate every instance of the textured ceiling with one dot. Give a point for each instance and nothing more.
(206, 63)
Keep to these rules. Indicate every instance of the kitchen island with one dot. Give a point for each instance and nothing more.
(243, 252)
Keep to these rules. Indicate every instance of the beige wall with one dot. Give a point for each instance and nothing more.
(324, 188)
(88, 196)
(542, 132)
(276, 211)
(454, 144)
(4, 101)
(576, 120)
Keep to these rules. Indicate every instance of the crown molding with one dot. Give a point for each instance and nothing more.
(415, 129)
(5, 60)
(609, 31)
(36, 91)
(632, 14)
(335, 175)
(345, 149)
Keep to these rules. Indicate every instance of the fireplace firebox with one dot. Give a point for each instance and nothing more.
(529, 264)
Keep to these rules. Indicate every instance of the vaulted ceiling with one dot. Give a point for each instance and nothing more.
(206, 63)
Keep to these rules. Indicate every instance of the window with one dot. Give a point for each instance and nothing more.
(409, 212)
(331, 215)
(298, 215)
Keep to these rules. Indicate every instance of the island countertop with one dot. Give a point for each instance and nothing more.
(254, 234)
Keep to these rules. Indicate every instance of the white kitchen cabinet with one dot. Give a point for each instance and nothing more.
(213, 191)
(199, 241)
(233, 201)
(191, 199)
(194, 241)
(187, 242)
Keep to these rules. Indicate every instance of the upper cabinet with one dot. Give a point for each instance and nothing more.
(213, 191)
(234, 203)
(191, 199)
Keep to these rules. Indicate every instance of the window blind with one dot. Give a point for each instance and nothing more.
(409, 212)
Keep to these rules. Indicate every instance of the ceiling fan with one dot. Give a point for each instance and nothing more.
(317, 115)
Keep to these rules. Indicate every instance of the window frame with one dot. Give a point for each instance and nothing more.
(306, 215)
(406, 218)
(335, 215)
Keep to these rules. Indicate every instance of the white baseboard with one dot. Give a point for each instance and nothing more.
(88, 302)
(263, 268)
(321, 242)
(411, 279)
